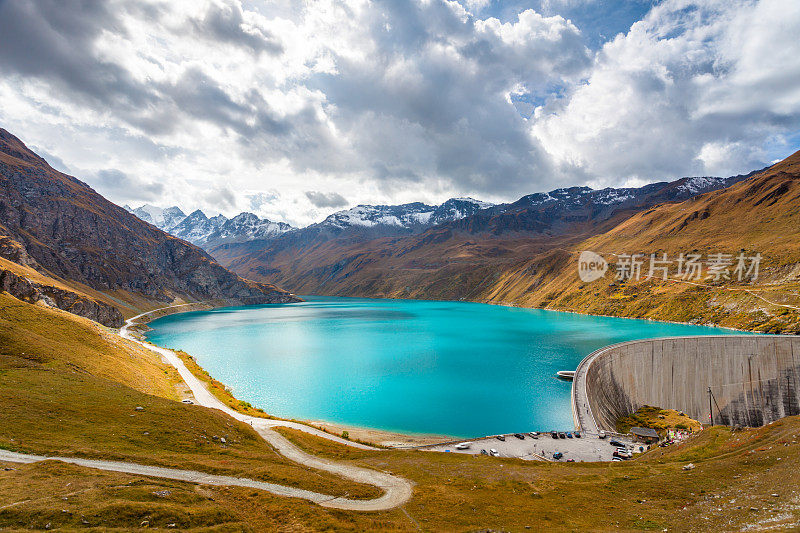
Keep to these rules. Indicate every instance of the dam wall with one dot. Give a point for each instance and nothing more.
(754, 379)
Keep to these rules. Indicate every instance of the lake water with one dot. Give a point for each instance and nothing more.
(452, 368)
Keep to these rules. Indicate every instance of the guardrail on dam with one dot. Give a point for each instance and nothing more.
(754, 379)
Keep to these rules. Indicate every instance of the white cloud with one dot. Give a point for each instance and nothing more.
(230, 106)
(694, 88)
(208, 96)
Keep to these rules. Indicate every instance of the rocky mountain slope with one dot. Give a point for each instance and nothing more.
(526, 253)
(67, 231)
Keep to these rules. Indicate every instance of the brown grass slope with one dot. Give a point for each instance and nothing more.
(732, 486)
(758, 215)
(71, 232)
(70, 387)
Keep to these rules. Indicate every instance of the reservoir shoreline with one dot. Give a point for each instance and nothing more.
(382, 437)
(404, 436)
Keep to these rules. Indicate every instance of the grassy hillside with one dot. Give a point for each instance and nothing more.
(34, 337)
(759, 215)
(731, 486)
(69, 387)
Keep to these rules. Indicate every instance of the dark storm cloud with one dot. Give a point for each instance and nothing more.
(432, 102)
(407, 112)
(54, 41)
(221, 198)
(226, 24)
(44, 39)
(117, 184)
(321, 199)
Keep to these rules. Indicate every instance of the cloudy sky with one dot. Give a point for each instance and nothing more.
(294, 109)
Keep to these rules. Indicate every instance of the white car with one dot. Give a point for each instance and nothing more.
(463, 445)
(494, 453)
(187, 401)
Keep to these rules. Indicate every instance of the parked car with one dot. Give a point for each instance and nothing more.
(570, 460)
(501, 438)
(615, 442)
(187, 401)
(558, 455)
(577, 434)
(520, 436)
(569, 435)
(463, 446)
(562, 435)
(494, 453)
(534, 435)
(616, 459)
(484, 452)
(602, 434)
(554, 434)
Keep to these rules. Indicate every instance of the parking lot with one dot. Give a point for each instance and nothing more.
(586, 448)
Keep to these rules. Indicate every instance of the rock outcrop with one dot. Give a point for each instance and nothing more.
(29, 291)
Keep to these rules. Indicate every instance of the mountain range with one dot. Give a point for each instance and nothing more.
(63, 244)
(524, 253)
(367, 220)
(206, 232)
(532, 213)
(390, 241)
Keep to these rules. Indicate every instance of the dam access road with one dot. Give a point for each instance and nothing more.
(396, 490)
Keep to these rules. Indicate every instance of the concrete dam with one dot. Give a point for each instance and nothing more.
(754, 380)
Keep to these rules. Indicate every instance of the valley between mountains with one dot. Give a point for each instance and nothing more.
(526, 253)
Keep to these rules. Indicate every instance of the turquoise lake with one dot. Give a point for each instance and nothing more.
(450, 368)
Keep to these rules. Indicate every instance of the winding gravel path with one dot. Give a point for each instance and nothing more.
(397, 490)
(191, 476)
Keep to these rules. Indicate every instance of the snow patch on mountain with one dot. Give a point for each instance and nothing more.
(164, 219)
(611, 196)
(409, 216)
(367, 216)
(700, 184)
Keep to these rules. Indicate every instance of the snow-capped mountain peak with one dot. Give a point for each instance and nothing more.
(161, 218)
(405, 215)
(206, 232)
(412, 216)
(457, 208)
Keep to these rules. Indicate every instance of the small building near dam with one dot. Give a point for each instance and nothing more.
(646, 435)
